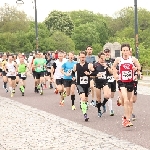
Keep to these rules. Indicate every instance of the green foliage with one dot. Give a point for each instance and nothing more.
(74, 31)
(59, 21)
(60, 41)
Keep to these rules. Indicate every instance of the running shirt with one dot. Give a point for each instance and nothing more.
(90, 59)
(110, 62)
(11, 69)
(102, 70)
(39, 64)
(3, 64)
(126, 72)
(49, 63)
(82, 78)
(22, 69)
(57, 66)
(68, 67)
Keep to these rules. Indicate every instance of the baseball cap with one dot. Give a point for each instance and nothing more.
(106, 50)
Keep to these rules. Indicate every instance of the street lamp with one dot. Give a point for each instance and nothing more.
(136, 29)
(36, 25)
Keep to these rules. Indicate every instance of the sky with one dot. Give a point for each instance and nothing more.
(44, 7)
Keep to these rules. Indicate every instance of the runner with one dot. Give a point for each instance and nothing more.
(5, 79)
(49, 64)
(102, 71)
(83, 81)
(111, 80)
(125, 80)
(10, 68)
(69, 80)
(91, 59)
(57, 76)
(39, 64)
(22, 71)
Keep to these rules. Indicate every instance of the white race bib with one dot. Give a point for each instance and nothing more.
(23, 75)
(103, 75)
(110, 79)
(84, 80)
(126, 75)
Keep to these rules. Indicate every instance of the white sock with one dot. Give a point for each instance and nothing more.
(10, 89)
(110, 104)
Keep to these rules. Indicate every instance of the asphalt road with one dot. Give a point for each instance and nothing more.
(49, 102)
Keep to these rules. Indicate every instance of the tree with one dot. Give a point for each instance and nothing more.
(12, 20)
(59, 21)
(84, 16)
(60, 41)
(84, 35)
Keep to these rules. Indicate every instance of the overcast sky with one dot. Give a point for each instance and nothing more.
(44, 7)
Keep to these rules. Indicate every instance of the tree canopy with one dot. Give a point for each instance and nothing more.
(73, 31)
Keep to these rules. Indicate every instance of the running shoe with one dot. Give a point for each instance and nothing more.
(111, 113)
(13, 91)
(125, 122)
(99, 114)
(41, 92)
(73, 107)
(93, 103)
(86, 117)
(61, 103)
(22, 93)
(118, 101)
(56, 91)
(51, 86)
(6, 90)
(133, 117)
(130, 123)
(12, 94)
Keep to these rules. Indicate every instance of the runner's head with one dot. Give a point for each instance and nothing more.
(101, 57)
(82, 56)
(89, 50)
(4, 56)
(60, 55)
(71, 56)
(125, 48)
(10, 58)
(107, 53)
(21, 58)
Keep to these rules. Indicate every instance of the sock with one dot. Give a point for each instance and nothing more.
(105, 101)
(110, 104)
(84, 107)
(72, 98)
(5, 85)
(99, 106)
(10, 88)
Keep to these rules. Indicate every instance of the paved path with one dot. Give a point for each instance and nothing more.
(37, 120)
(26, 128)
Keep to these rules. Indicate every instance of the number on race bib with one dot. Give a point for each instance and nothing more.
(126, 75)
(84, 80)
(110, 79)
(103, 75)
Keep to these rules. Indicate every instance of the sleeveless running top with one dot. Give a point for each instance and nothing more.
(126, 72)
(82, 78)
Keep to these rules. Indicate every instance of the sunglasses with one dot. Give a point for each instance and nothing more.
(106, 51)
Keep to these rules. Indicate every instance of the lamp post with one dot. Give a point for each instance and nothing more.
(36, 25)
(136, 29)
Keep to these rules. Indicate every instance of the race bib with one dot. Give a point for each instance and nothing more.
(23, 75)
(103, 75)
(126, 75)
(110, 79)
(84, 80)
